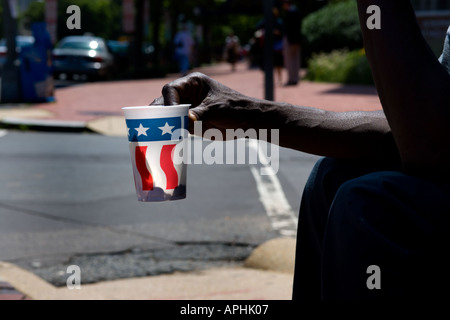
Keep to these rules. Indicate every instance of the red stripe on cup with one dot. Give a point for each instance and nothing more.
(141, 165)
(168, 167)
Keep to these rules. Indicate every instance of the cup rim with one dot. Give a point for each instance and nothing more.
(155, 106)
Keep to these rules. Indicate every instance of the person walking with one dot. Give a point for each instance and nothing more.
(232, 50)
(183, 49)
(278, 45)
(291, 43)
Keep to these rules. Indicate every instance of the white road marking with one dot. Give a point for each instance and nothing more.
(271, 195)
(3, 133)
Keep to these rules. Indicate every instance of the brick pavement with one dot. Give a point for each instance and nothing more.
(8, 292)
(89, 101)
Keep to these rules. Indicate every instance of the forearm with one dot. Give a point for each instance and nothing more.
(343, 135)
(320, 132)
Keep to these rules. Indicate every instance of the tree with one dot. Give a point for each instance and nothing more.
(335, 26)
(100, 17)
(34, 13)
(108, 12)
(1, 15)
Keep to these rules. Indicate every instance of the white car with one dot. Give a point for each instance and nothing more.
(82, 55)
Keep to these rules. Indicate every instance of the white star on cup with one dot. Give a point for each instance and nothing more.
(141, 130)
(166, 129)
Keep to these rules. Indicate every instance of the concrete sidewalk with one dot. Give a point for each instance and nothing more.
(267, 273)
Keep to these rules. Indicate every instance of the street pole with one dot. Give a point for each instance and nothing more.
(10, 78)
(138, 36)
(268, 50)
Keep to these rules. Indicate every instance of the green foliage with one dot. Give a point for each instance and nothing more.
(335, 26)
(342, 66)
(1, 23)
(100, 17)
(34, 13)
(95, 15)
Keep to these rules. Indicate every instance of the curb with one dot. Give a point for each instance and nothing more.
(107, 126)
(277, 254)
(273, 258)
(43, 125)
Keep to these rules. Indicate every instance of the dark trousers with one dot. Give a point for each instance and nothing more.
(368, 231)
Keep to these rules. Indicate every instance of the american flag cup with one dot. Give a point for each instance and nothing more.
(158, 136)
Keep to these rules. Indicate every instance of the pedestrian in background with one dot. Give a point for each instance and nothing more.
(183, 49)
(278, 45)
(232, 50)
(291, 43)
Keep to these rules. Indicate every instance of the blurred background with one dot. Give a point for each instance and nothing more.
(68, 197)
(136, 37)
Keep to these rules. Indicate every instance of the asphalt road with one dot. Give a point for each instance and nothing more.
(69, 199)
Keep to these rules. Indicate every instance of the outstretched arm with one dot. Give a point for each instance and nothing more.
(414, 88)
(334, 134)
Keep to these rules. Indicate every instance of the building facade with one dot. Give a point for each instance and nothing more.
(434, 20)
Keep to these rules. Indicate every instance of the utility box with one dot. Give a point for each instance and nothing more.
(36, 67)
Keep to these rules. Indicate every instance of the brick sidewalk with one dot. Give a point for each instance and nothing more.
(89, 101)
(8, 292)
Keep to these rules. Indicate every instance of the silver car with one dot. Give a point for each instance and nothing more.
(82, 56)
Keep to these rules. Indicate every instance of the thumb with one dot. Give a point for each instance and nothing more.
(198, 113)
(192, 116)
(195, 114)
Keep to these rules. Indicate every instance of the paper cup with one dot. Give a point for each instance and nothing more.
(158, 136)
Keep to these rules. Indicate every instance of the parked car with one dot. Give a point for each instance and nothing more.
(21, 41)
(122, 52)
(82, 55)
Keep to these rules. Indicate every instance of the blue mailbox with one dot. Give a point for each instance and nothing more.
(35, 67)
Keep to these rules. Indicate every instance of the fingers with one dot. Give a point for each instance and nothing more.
(192, 90)
(192, 116)
(170, 95)
(157, 102)
(178, 91)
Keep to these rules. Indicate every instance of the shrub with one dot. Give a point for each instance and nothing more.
(341, 66)
(335, 26)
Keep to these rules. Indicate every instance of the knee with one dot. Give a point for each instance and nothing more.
(363, 194)
(322, 172)
(327, 176)
(354, 196)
